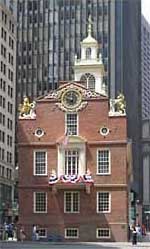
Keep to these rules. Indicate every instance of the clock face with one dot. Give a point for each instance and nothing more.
(71, 98)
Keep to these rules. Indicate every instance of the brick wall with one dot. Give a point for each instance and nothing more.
(91, 119)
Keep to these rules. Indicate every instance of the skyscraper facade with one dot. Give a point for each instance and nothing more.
(145, 58)
(9, 4)
(7, 110)
(49, 36)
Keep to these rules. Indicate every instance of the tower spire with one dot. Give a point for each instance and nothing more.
(89, 25)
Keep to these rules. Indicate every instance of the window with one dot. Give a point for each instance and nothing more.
(103, 162)
(103, 202)
(40, 163)
(8, 173)
(34, 5)
(102, 233)
(71, 202)
(40, 202)
(71, 123)
(3, 155)
(71, 233)
(9, 157)
(42, 232)
(88, 53)
(3, 171)
(83, 79)
(89, 81)
(71, 162)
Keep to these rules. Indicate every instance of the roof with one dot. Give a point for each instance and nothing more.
(89, 40)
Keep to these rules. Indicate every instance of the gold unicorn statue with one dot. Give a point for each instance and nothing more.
(27, 109)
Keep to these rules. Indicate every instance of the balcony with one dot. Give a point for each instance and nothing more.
(71, 182)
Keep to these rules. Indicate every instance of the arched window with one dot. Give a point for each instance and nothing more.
(88, 81)
(88, 53)
(91, 82)
(83, 79)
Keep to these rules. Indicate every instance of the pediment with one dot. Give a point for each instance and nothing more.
(86, 93)
(71, 96)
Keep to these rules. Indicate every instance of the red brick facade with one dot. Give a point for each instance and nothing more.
(51, 118)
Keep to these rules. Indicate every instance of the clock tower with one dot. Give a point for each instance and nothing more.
(89, 69)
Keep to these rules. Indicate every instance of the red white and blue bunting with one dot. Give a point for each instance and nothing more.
(71, 179)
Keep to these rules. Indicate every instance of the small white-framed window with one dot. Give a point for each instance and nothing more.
(71, 126)
(103, 161)
(103, 233)
(71, 233)
(104, 131)
(103, 202)
(71, 202)
(39, 132)
(71, 162)
(40, 163)
(40, 202)
(42, 232)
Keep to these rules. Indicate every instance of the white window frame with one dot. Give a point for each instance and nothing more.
(72, 200)
(34, 203)
(109, 161)
(71, 237)
(34, 170)
(82, 158)
(66, 124)
(71, 156)
(102, 229)
(44, 229)
(109, 200)
(86, 79)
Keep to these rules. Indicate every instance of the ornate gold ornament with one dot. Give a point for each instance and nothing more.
(27, 109)
(118, 105)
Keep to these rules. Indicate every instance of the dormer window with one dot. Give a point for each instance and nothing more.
(89, 81)
(88, 53)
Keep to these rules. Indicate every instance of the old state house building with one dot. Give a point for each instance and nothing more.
(73, 164)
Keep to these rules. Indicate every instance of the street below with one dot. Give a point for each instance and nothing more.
(89, 245)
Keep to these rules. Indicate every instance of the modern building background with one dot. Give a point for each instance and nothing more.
(146, 170)
(145, 58)
(7, 110)
(49, 36)
(9, 4)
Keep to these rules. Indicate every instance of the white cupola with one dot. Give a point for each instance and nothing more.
(90, 69)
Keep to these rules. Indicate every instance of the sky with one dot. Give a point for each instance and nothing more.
(146, 9)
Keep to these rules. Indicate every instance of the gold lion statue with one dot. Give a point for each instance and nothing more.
(120, 104)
